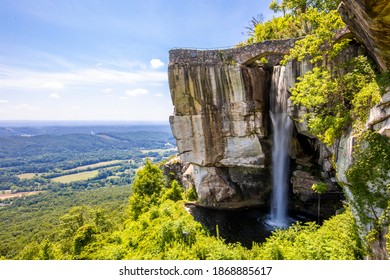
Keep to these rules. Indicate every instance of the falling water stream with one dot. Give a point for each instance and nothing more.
(282, 130)
(280, 167)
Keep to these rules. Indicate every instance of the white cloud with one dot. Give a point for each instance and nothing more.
(107, 90)
(25, 107)
(26, 80)
(159, 95)
(53, 85)
(54, 95)
(136, 92)
(3, 101)
(156, 63)
(123, 97)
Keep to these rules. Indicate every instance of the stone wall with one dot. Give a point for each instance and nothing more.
(240, 55)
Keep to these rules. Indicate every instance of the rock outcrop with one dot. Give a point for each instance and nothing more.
(379, 118)
(370, 22)
(220, 125)
(222, 122)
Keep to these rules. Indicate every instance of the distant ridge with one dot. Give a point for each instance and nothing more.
(40, 123)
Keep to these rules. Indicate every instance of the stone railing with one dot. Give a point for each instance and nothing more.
(241, 55)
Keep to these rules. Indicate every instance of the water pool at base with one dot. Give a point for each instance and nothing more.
(241, 225)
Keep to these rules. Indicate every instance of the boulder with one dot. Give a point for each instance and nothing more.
(379, 118)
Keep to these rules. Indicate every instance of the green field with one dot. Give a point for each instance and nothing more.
(26, 175)
(9, 195)
(97, 165)
(76, 177)
(158, 150)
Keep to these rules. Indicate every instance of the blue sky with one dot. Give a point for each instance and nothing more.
(105, 59)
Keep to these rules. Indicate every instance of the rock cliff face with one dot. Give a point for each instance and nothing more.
(221, 128)
(370, 22)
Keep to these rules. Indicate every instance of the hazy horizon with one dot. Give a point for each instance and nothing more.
(19, 123)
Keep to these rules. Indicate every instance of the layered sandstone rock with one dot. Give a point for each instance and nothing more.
(370, 22)
(220, 125)
(379, 118)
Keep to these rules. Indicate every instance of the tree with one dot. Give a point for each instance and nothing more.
(313, 20)
(297, 7)
(83, 236)
(147, 188)
(149, 180)
(175, 192)
(72, 221)
(336, 99)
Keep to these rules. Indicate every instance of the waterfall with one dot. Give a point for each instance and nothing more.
(282, 130)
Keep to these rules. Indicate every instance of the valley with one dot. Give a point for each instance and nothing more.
(56, 168)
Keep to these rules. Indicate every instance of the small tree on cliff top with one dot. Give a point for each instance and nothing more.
(147, 188)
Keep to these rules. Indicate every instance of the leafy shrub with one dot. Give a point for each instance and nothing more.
(191, 194)
(336, 101)
(147, 188)
(83, 236)
(175, 192)
(337, 238)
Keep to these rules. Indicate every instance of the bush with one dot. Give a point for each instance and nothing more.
(190, 194)
(337, 239)
(175, 192)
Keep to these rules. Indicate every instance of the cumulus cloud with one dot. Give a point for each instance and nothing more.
(159, 95)
(54, 95)
(136, 92)
(156, 63)
(3, 101)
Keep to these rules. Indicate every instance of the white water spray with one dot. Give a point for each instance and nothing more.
(282, 130)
